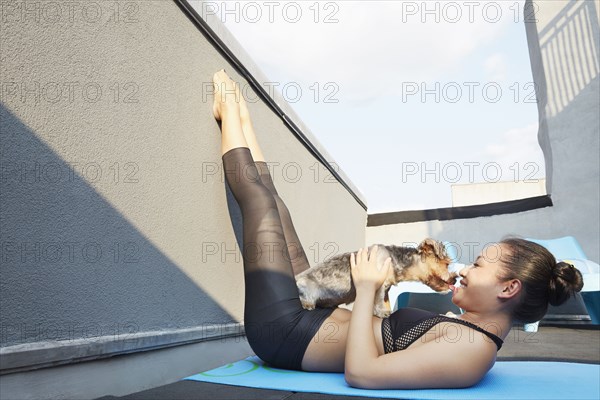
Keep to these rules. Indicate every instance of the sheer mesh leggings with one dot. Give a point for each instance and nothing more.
(277, 327)
(295, 250)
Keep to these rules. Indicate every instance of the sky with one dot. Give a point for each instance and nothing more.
(408, 97)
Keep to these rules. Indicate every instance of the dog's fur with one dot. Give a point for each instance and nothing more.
(329, 283)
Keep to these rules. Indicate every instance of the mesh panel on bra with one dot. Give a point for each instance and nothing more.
(392, 344)
(388, 339)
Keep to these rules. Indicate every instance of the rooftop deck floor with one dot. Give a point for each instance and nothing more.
(550, 343)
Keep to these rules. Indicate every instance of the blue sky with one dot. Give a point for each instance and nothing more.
(380, 134)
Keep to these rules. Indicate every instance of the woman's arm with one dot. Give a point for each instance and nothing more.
(446, 363)
(361, 350)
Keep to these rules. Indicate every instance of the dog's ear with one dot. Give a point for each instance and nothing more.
(430, 246)
(426, 246)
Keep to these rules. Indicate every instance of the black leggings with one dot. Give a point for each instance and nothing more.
(278, 329)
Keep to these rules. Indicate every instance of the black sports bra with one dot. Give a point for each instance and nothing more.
(406, 325)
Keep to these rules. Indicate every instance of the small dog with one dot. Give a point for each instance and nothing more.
(329, 283)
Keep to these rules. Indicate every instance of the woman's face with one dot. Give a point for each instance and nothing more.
(479, 285)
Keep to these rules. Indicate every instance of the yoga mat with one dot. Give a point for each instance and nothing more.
(506, 380)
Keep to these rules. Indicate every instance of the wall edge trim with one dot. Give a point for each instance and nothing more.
(450, 213)
(52, 353)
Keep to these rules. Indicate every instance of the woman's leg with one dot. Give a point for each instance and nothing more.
(277, 327)
(297, 255)
(295, 250)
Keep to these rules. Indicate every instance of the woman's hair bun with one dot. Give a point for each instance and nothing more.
(566, 281)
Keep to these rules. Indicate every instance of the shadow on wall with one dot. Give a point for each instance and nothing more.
(73, 266)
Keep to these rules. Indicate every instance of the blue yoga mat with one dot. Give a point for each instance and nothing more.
(506, 380)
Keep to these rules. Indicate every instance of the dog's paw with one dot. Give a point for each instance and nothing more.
(307, 305)
(381, 312)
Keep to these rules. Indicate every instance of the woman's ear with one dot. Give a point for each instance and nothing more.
(511, 289)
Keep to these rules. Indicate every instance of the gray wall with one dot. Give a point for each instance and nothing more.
(564, 51)
(118, 234)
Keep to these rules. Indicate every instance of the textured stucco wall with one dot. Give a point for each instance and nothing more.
(564, 49)
(127, 226)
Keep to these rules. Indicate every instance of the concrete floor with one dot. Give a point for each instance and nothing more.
(550, 343)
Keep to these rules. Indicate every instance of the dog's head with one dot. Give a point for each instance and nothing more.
(434, 262)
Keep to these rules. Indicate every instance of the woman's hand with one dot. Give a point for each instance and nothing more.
(367, 273)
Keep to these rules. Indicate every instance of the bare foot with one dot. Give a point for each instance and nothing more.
(225, 94)
(244, 113)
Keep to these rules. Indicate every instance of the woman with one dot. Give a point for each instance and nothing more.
(512, 281)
